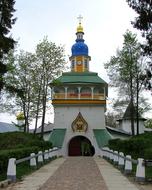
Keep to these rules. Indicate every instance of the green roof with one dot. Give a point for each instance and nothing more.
(83, 77)
(102, 137)
(57, 137)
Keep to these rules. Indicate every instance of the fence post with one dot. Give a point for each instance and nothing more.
(140, 171)
(46, 155)
(115, 157)
(128, 165)
(11, 169)
(111, 155)
(50, 153)
(107, 154)
(40, 158)
(121, 161)
(32, 160)
(54, 152)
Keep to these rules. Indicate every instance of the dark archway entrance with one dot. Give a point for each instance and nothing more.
(80, 146)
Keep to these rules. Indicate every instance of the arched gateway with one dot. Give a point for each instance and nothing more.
(80, 146)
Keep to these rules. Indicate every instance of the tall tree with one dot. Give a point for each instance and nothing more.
(20, 77)
(124, 70)
(6, 42)
(143, 21)
(52, 60)
(32, 73)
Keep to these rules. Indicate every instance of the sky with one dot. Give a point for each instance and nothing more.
(104, 23)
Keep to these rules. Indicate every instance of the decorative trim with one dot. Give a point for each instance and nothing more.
(84, 101)
(79, 124)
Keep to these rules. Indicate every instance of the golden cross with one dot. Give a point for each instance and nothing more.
(79, 18)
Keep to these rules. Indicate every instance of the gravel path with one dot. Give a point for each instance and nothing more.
(76, 173)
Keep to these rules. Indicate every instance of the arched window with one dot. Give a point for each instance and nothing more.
(85, 92)
(98, 92)
(59, 92)
(86, 63)
(72, 92)
(72, 64)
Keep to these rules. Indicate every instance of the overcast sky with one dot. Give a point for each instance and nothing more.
(104, 22)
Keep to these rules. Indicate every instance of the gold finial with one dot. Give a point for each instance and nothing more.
(79, 18)
(79, 28)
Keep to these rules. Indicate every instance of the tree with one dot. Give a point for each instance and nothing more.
(32, 73)
(124, 71)
(6, 42)
(143, 21)
(20, 77)
(111, 119)
(52, 60)
(148, 123)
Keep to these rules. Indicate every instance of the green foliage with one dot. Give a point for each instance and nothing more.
(19, 145)
(31, 74)
(6, 41)
(138, 146)
(13, 140)
(15, 153)
(20, 116)
(148, 123)
(143, 21)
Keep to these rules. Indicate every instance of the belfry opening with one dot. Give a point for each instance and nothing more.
(80, 146)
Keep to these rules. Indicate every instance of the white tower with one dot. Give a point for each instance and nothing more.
(79, 100)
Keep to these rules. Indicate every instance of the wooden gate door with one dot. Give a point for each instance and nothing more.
(75, 146)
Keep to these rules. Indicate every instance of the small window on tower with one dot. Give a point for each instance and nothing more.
(86, 63)
(72, 65)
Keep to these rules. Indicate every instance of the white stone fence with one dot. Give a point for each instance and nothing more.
(35, 159)
(125, 162)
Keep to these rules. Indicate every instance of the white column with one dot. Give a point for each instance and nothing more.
(92, 92)
(46, 155)
(121, 161)
(140, 171)
(104, 93)
(40, 157)
(11, 169)
(128, 165)
(79, 89)
(33, 160)
(65, 91)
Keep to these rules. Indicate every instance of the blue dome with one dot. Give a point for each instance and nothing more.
(79, 48)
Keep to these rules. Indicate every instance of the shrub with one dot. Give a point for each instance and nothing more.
(148, 153)
(19, 145)
(137, 146)
(13, 140)
(15, 153)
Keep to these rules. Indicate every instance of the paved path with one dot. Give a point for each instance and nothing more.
(113, 177)
(76, 173)
(37, 178)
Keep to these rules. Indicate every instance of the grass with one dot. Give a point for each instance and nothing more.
(149, 173)
(24, 169)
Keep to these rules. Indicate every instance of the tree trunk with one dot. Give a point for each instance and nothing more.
(132, 106)
(44, 105)
(37, 109)
(43, 117)
(137, 106)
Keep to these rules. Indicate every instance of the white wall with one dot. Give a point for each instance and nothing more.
(126, 126)
(94, 116)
